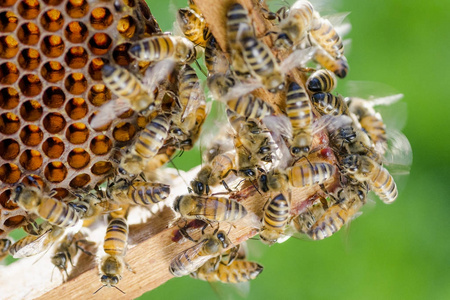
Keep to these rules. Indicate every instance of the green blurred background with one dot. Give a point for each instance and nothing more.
(393, 251)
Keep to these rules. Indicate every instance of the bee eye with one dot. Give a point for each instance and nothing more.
(199, 187)
(295, 150)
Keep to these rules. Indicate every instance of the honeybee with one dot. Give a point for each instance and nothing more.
(321, 81)
(215, 60)
(276, 216)
(164, 155)
(337, 66)
(220, 85)
(250, 106)
(324, 35)
(364, 168)
(305, 221)
(247, 163)
(209, 208)
(330, 104)
(193, 258)
(136, 192)
(4, 247)
(193, 25)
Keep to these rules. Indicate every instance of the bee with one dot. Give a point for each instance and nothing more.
(250, 106)
(136, 192)
(193, 25)
(4, 247)
(338, 66)
(193, 258)
(324, 35)
(161, 47)
(220, 85)
(276, 215)
(364, 168)
(321, 81)
(164, 155)
(209, 208)
(329, 104)
(215, 60)
(247, 163)
(305, 221)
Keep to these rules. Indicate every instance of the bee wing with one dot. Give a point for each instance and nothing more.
(332, 123)
(157, 73)
(280, 128)
(297, 59)
(37, 245)
(241, 88)
(109, 111)
(398, 153)
(196, 99)
(231, 291)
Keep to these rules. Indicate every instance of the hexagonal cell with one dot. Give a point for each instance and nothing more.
(103, 128)
(31, 110)
(54, 122)
(8, 73)
(52, 71)
(52, 46)
(54, 97)
(10, 173)
(101, 18)
(31, 160)
(34, 180)
(76, 83)
(55, 172)
(29, 9)
(121, 55)
(99, 94)
(9, 98)
(14, 221)
(76, 57)
(7, 3)
(78, 158)
(100, 43)
(59, 193)
(30, 85)
(9, 149)
(127, 26)
(101, 145)
(80, 181)
(29, 34)
(76, 108)
(77, 8)
(95, 68)
(52, 20)
(9, 123)
(77, 133)
(123, 132)
(8, 46)
(6, 202)
(101, 168)
(76, 32)
(53, 147)
(29, 59)
(31, 135)
(8, 21)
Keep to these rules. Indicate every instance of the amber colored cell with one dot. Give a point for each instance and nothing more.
(130, 3)
(9, 149)
(76, 57)
(141, 121)
(8, 21)
(8, 73)
(30, 85)
(14, 221)
(76, 32)
(80, 181)
(99, 94)
(52, 71)
(9, 98)
(55, 172)
(54, 97)
(29, 34)
(101, 18)
(8, 47)
(53, 147)
(101, 167)
(6, 202)
(9, 123)
(29, 9)
(95, 68)
(77, 133)
(30, 160)
(29, 59)
(34, 180)
(121, 55)
(59, 193)
(126, 26)
(6, 3)
(52, 20)
(31, 110)
(10, 173)
(76, 108)
(103, 128)
(127, 114)
(76, 83)
(101, 145)
(53, 2)
(54, 122)
(124, 132)
(78, 158)
(100, 43)
(31, 135)
(77, 8)
(52, 46)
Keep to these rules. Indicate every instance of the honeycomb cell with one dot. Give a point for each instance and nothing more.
(130, 3)
(31, 135)
(14, 221)
(126, 26)
(77, 8)
(54, 97)
(121, 55)
(52, 71)
(100, 43)
(8, 21)
(53, 2)
(54, 122)
(29, 9)
(103, 128)
(95, 68)
(77, 133)
(34, 180)
(52, 20)
(29, 34)
(101, 18)
(30, 85)
(127, 114)
(99, 94)
(76, 108)
(78, 158)
(31, 160)
(29, 59)
(76, 32)
(80, 181)
(76, 57)
(10, 173)
(6, 202)
(55, 172)
(59, 193)
(76, 83)
(31, 110)
(8, 47)
(100, 145)
(9, 123)
(101, 168)
(9, 98)
(8, 73)
(53, 147)
(52, 46)
(9, 149)
(124, 132)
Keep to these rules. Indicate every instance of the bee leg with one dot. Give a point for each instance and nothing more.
(82, 249)
(185, 234)
(129, 268)
(225, 185)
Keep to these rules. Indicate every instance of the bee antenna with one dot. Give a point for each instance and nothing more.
(30, 178)
(256, 188)
(200, 68)
(178, 171)
(98, 289)
(119, 290)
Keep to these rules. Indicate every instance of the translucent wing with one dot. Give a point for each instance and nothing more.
(398, 156)
(231, 291)
(36, 244)
(110, 111)
(297, 59)
(157, 73)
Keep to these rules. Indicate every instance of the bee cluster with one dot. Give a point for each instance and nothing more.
(311, 137)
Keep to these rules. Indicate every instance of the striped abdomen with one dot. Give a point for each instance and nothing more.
(237, 21)
(375, 128)
(257, 56)
(276, 213)
(309, 174)
(194, 26)
(58, 213)
(152, 137)
(238, 271)
(147, 193)
(250, 106)
(121, 82)
(218, 209)
(329, 104)
(298, 108)
(155, 48)
(337, 66)
(383, 184)
(298, 22)
(215, 59)
(189, 88)
(116, 237)
(326, 36)
(189, 260)
(321, 81)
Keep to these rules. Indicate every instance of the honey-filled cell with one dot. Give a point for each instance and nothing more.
(59, 193)
(52, 20)
(9, 149)
(76, 32)
(53, 2)
(30, 160)
(99, 94)
(53, 147)
(80, 181)
(9, 123)
(77, 57)
(78, 158)
(29, 59)
(6, 201)
(9, 98)
(55, 172)
(52, 46)
(76, 83)
(95, 68)
(34, 180)
(8, 21)
(77, 8)
(29, 9)
(100, 43)
(54, 97)
(76, 108)
(121, 55)
(31, 110)
(124, 132)
(8, 47)
(10, 173)
(100, 145)
(127, 26)
(14, 221)
(101, 18)
(101, 168)
(77, 133)
(52, 71)
(54, 122)
(30, 85)
(8, 73)
(31, 135)
(29, 34)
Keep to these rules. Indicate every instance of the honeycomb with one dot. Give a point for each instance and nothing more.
(51, 56)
